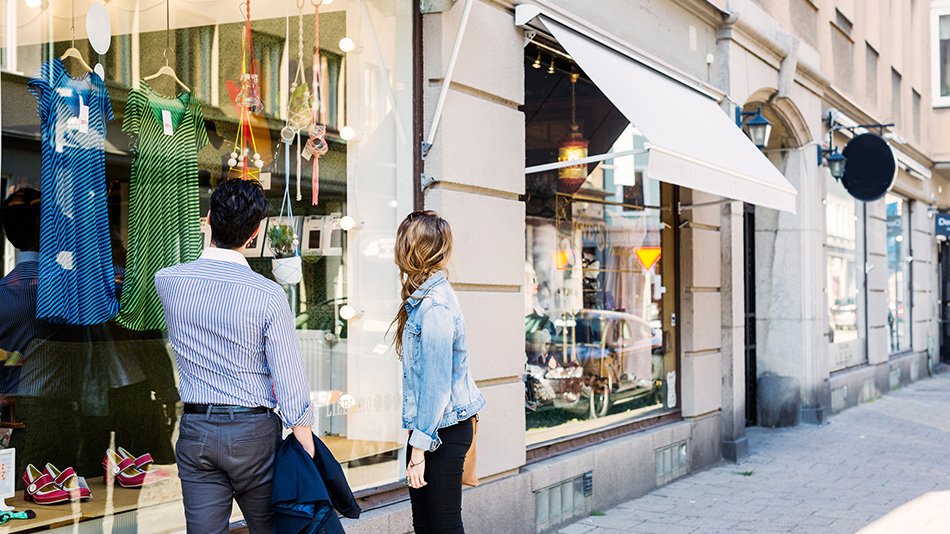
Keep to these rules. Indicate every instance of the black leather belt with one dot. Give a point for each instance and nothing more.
(223, 409)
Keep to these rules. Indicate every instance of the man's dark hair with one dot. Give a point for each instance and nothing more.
(237, 209)
(20, 214)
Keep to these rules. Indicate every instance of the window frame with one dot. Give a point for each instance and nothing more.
(938, 9)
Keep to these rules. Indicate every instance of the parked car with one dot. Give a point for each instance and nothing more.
(592, 362)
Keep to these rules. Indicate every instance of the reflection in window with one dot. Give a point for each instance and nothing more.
(67, 391)
(898, 273)
(845, 276)
(598, 272)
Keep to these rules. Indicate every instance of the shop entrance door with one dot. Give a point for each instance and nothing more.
(944, 253)
(750, 337)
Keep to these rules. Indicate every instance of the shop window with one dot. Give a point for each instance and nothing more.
(600, 263)
(898, 273)
(105, 386)
(845, 276)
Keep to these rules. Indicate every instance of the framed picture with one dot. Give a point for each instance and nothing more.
(272, 222)
(317, 237)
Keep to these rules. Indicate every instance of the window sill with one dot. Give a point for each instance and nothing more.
(550, 449)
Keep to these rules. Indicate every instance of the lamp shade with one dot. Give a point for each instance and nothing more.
(836, 163)
(573, 147)
(759, 130)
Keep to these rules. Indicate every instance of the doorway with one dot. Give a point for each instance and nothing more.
(944, 257)
(751, 373)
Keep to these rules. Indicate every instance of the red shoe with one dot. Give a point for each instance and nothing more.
(144, 463)
(41, 488)
(69, 482)
(122, 470)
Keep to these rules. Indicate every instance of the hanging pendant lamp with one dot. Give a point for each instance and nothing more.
(573, 147)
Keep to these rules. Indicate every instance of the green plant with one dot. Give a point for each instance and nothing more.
(282, 240)
(597, 513)
(748, 473)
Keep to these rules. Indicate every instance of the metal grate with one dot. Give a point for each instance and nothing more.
(563, 502)
(672, 462)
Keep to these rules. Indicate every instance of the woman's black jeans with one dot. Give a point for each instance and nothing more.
(437, 506)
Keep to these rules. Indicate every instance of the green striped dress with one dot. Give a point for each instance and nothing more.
(164, 226)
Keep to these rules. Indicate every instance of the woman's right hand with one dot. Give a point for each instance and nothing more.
(415, 472)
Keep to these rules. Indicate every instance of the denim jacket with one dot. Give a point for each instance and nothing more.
(437, 387)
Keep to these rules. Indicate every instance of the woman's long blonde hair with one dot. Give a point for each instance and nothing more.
(423, 247)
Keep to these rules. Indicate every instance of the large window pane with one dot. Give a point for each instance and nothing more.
(898, 273)
(844, 288)
(69, 393)
(600, 263)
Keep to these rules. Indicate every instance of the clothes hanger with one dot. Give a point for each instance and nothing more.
(72, 52)
(166, 70)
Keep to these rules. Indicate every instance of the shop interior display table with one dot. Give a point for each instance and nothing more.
(105, 501)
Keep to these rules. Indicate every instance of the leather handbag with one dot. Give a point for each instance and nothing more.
(469, 478)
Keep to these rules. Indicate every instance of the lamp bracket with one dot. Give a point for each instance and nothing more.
(529, 36)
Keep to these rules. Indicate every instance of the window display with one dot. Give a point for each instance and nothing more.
(599, 271)
(845, 283)
(88, 380)
(898, 273)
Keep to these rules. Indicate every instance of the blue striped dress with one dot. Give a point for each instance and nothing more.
(76, 280)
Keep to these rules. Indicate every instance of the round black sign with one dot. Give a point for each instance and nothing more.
(870, 167)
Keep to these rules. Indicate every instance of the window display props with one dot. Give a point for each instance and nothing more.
(246, 159)
(76, 276)
(282, 237)
(317, 144)
(299, 112)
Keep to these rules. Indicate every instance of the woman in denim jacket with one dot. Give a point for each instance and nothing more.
(439, 396)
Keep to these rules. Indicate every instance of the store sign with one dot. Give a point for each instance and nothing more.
(871, 167)
(942, 224)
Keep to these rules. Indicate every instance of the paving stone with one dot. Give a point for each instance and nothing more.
(868, 466)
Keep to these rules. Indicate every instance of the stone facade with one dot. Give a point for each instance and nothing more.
(796, 59)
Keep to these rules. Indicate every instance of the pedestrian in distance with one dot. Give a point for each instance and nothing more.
(440, 400)
(238, 360)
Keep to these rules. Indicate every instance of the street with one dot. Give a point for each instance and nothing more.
(880, 467)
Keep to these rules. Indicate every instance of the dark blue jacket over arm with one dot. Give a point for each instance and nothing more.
(308, 492)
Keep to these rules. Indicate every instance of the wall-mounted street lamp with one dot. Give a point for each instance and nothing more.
(757, 127)
(833, 158)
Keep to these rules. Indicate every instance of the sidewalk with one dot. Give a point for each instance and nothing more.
(880, 467)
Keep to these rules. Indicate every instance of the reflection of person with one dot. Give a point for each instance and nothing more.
(439, 395)
(21, 224)
(238, 358)
(36, 389)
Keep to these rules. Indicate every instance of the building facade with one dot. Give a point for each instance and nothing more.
(628, 316)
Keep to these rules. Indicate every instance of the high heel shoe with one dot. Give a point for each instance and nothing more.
(144, 463)
(121, 470)
(41, 488)
(69, 482)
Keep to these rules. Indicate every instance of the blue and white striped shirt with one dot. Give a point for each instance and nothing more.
(233, 335)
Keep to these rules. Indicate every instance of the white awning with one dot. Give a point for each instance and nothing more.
(691, 141)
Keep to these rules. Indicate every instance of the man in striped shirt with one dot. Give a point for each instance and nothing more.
(238, 359)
